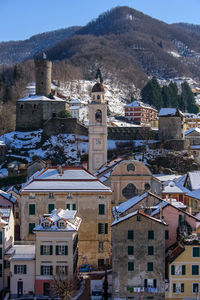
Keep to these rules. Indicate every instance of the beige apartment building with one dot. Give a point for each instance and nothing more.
(77, 189)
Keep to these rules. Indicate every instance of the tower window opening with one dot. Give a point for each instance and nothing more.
(98, 97)
(98, 116)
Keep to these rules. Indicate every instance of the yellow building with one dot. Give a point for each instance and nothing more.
(184, 271)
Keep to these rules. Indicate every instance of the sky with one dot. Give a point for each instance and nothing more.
(20, 19)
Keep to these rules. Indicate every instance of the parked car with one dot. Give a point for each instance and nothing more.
(85, 268)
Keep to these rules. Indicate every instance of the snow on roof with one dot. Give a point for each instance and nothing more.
(69, 216)
(157, 210)
(8, 196)
(194, 194)
(138, 103)
(70, 179)
(169, 112)
(131, 202)
(2, 143)
(22, 252)
(194, 179)
(163, 177)
(105, 171)
(74, 107)
(192, 130)
(173, 187)
(138, 212)
(40, 98)
(195, 147)
(75, 101)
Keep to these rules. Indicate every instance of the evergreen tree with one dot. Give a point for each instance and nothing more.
(182, 104)
(173, 94)
(8, 96)
(166, 96)
(99, 75)
(188, 97)
(16, 73)
(152, 93)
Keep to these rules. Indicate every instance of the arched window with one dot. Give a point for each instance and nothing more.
(98, 97)
(129, 191)
(98, 116)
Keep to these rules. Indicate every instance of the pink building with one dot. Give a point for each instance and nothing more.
(140, 113)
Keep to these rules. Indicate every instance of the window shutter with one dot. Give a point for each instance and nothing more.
(145, 283)
(182, 287)
(51, 208)
(166, 234)
(99, 228)
(51, 249)
(106, 228)
(0, 237)
(25, 270)
(150, 234)
(66, 250)
(130, 234)
(130, 250)
(183, 270)
(174, 287)
(56, 250)
(68, 206)
(101, 209)
(31, 209)
(15, 269)
(41, 250)
(42, 270)
(74, 206)
(66, 270)
(0, 253)
(154, 283)
(172, 270)
(51, 270)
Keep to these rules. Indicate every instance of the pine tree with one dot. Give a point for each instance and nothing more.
(152, 93)
(166, 96)
(189, 99)
(173, 94)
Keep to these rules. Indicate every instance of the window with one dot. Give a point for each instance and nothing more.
(166, 234)
(61, 250)
(130, 266)
(195, 287)
(178, 287)
(31, 226)
(61, 270)
(51, 195)
(98, 141)
(150, 283)
(100, 263)
(69, 195)
(129, 191)
(98, 116)
(101, 247)
(17, 215)
(46, 250)
(149, 266)
(0, 237)
(195, 270)
(46, 224)
(51, 208)
(46, 270)
(101, 209)
(34, 106)
(6, 264)
(0, 253)
(139, 218)
(130, 250)
(20, 269)
(21, 106)
(31, 209)
(32, 196)
(150, 234)
(62, 224)
(102, 228)
(196, 251)
(1, 270)
(130, 234)
(150, 250)
(68, 206)
(130, 167)
(74, 206)
(147, 186)
(178, 270)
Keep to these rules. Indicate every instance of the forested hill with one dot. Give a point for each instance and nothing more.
(18, 51)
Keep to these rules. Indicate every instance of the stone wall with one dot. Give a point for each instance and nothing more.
(132, 133)
(176, 145)
(171, 128)
(55, 126)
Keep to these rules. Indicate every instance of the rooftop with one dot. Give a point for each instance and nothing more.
(40, 98)
(138, 103)
(7, 196)
(174, 188)
(22, 252)
(170, 112)
(196, 129)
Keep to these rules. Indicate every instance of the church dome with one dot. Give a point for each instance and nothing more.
(98, 88)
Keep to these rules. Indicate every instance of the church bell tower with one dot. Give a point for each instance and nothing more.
(97, 128)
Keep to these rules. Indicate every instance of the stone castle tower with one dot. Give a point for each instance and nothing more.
(43, 76)
(97, 128)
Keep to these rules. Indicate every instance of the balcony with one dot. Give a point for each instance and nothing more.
(136, 289)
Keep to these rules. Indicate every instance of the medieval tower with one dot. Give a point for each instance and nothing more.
(97, 128)
(43, 76)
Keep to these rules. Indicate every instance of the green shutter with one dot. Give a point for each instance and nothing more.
(101, 209)
(51, 270)
(51, 208)
(174, 287)
(150, 234)
(149, 266)
(106, 228)
(166, 234)
(99, 228)
(172, 270)
(56, 250)
(15, 269)
(130, 234)
(41, 250)
(74, 206)
(145, 283)
(195, 270)
(31, 226)
(130, 250)
(183, 270)
(196, 251)
(25, 270)
(155, 283)
(1, 270)
(41, 270)
(67, 206)
(66, 250)
(182, 287)
(0, 237)
(51, 249)
(31, 209)
(0, 253)
(130, 266)
(150, 250)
